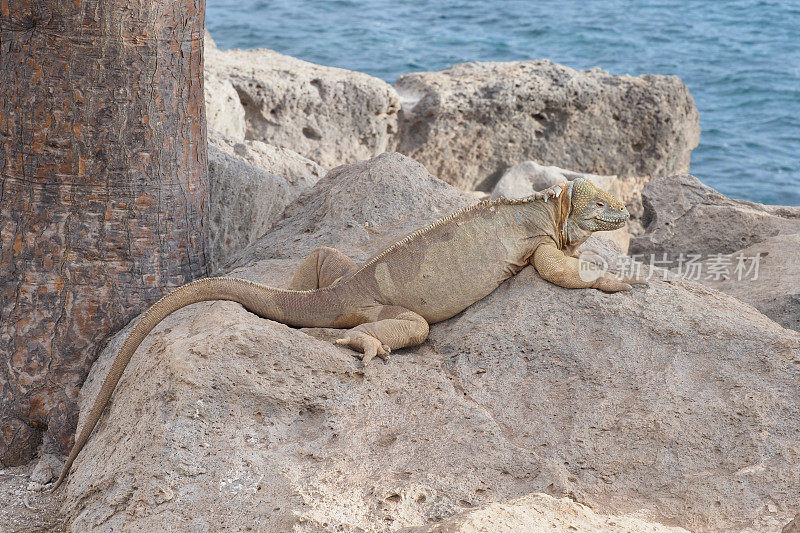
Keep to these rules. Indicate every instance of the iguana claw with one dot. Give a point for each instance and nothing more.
(551, 192)
(369, 346)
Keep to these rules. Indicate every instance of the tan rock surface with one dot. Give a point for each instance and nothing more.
(359, 208)
(469, 123)
(299, 172)
(793, 526)
(251, 183)
(329, 115)
(208, 42)
(244, 202)
(23, 509)
(539, 512)
(673, 402)
(224, 111)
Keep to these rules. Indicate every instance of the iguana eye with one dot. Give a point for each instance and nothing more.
(599, 204)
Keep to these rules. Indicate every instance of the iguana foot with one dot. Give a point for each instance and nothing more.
(611, 284)
(368, 345)
(632, 280)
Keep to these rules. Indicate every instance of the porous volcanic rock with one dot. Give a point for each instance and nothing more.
(25, 509)
(224, 111)
(208, 42)
(329, 115)
(469, 123)
(674, 402)
(360, 208)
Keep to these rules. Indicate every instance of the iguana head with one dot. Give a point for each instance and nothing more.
(595, 210)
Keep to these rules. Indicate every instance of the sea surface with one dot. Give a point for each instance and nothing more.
(740, 59)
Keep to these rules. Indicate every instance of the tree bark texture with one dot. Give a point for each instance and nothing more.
(102, 190)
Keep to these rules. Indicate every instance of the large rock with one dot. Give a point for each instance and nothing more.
(327, 114)
(244, 202)
(540, 512)
(208, 42)
(298, 171)
(469, 123)
(793, 526)
(766, 275)
(529, 176)
(683, 216)
(673, 403)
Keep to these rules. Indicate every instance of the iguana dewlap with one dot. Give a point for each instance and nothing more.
(429, 276)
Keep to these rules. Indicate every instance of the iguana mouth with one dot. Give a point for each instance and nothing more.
(613, 220)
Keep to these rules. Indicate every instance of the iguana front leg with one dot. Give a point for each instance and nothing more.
(563, 270)
(392, 327)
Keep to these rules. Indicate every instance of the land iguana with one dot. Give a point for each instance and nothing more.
(429, 276)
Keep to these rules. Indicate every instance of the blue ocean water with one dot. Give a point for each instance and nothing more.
(739, 58)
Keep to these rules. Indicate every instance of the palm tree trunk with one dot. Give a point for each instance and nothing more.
(102, 190)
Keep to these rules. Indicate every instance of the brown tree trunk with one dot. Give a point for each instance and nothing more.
(102, 190)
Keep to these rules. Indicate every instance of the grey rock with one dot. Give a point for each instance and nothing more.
(469, 123)
(528, 177)
(669, 402)
(329, 115)
(793, 526)
(766, 275)
(47, 468)
(683, 216)
(298, 171)
(208, 42)
(244, 202)
(359, 208)
(27, 506)
(224, 111)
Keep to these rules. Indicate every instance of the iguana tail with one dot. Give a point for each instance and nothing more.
(317, 308)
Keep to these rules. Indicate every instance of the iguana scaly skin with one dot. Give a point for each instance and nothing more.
(429, 276)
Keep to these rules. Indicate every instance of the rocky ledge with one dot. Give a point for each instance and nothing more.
(673, 404)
